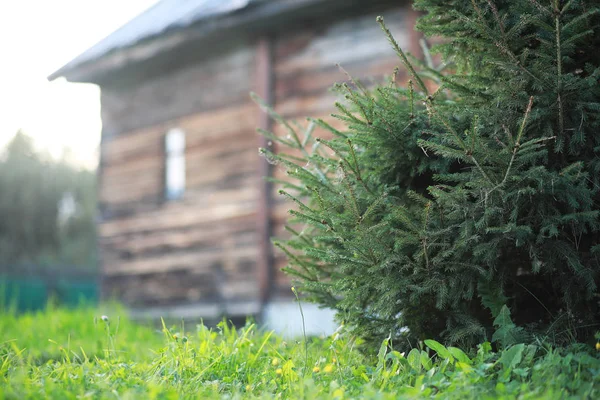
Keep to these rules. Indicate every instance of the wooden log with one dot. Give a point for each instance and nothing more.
(241, 231)
(199, 261)
(344, 43)
(200, 128)
(176, 217)
(265, 80)
(184, 238)
(213, 84)
(203, 165)
(152, 203)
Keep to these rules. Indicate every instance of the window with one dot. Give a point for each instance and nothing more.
(174, 164)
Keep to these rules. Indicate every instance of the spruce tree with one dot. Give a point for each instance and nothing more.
(467, 213)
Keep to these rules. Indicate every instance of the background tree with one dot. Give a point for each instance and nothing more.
(33, 187)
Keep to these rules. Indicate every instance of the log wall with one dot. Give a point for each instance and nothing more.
(202, 248)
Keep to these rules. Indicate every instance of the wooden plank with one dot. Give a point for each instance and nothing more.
(304, 106)
(148, 204)
(241, 231)
(197, 261)
(148, 186)
(140, 241)
(231, 166)
(136, 186)
(215, 83)
(319, 81)
(176, 216)
(204, 165)
(200, 128)
(162, 288)
(204, 86)
(223, 151)
(265, 89)
(197, 239)
(140, 164)
(128, 178)
(345, 42)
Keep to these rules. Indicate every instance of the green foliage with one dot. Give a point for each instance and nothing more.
(468, 213)
(73, 354)
(507, 333)
(77, 353)
(32, 187)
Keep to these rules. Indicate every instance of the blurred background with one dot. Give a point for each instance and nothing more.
(129, 167)
(49, 143)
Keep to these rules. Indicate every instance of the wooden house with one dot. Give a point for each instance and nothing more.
(185, 215)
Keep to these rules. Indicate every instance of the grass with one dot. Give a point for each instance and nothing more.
(76, 354)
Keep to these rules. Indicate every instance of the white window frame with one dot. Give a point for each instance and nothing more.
(174, 164)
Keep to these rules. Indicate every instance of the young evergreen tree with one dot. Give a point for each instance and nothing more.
(469, 213)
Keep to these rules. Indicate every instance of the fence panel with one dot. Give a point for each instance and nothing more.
(29, 288)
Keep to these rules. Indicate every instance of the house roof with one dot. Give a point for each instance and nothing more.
(165, 15)
(172, 24)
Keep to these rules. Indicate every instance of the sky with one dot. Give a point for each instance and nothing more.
(37, 37)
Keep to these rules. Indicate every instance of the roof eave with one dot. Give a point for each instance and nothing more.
(93, 70)
(262, 18)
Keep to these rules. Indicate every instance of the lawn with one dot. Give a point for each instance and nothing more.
(68, 354)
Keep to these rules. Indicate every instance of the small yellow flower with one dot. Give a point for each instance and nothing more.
(328, 368)
(316, 370)
(275, 362)
(279, 371)
(334, 360)
(598, 346)
(248, 388)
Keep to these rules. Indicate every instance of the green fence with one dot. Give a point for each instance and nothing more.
(30, 288)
